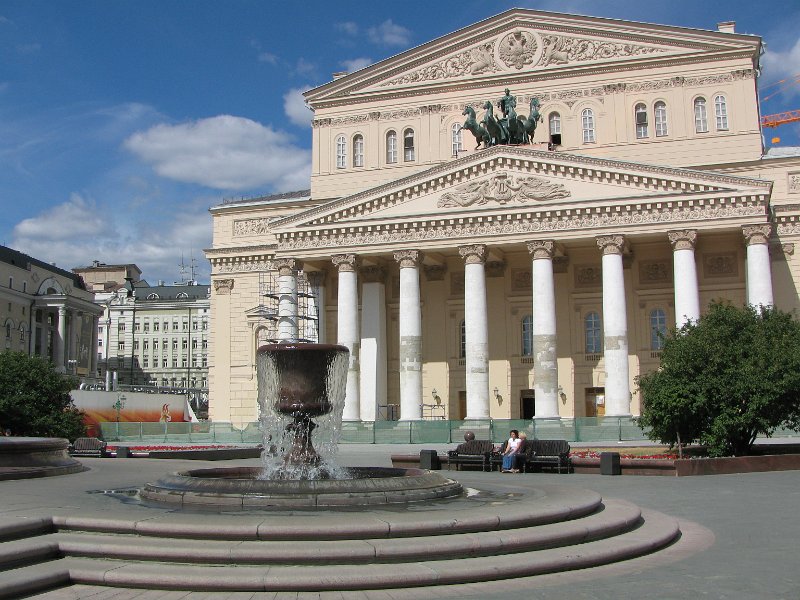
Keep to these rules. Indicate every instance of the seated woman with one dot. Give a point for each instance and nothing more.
(511, 448)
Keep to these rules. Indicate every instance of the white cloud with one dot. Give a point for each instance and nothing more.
(268, 57)
(294, 105)
(782, 65)
(223, 152)
(356, 64)
(74, 218)
(303, 67)
(4, 19)
(389, 33)
(347, 27)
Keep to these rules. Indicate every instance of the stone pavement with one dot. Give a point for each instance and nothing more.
(752, 552)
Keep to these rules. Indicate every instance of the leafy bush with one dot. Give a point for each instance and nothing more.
(35, 400)
(731, 376)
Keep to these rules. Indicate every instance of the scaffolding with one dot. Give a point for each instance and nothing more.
(266, 313)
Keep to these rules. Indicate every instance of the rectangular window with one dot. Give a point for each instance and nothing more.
(175, 362)
(205, 344)
(136, 326)
(147, 327)
(164, 362)
(121, 326)
(194, 344)
(156, 325)
(205, 325)
(184, 344)
(174, 344)
(121, 346)
(205, 364)
(174, 326)
(135, 344)
(145, 362)
(147, 344)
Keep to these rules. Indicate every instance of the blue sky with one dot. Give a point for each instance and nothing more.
(123, 121)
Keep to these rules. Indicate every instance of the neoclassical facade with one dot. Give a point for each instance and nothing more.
(47, 311)
(512, 281)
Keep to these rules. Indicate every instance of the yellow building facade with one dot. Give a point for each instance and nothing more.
(512, 280)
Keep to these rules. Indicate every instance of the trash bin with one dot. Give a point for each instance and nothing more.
(429, 459)
(122, 452)
(609, 463)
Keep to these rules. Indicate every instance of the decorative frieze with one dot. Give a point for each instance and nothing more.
(243, 267)
(562, 50)
(503, 188)
(223, 287)
(250, 227)
(721, 264)
(473, 61)
(518, 49)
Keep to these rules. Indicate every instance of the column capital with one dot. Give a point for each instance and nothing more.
(541, 249)
(373, 274)
(286, 266)
(756, 234)
(682, 239)
(62, 311)
(221, 286)
(611, 244)
(408, 258)
(473, 253)
(344, 262)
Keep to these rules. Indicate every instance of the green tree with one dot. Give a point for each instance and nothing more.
(731, 376)
(35, 400)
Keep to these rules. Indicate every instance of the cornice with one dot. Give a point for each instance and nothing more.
(223, 251)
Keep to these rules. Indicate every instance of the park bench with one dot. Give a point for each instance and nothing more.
(88, 446)
(549, 453)
(475, 453)
(521, 459)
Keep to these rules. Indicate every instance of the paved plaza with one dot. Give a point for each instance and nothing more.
(740, 531)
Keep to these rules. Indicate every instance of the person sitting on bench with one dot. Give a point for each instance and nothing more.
(512, 446)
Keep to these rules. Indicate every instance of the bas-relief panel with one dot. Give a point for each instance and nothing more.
(588, 276)
(457, 284)
(793, 184)
(521, 280)
(721, 264)
(655, 272)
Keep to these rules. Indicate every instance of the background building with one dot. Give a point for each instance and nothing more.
(48, 312)
(514, 281)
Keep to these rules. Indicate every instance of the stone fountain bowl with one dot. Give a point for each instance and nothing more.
(238, 488)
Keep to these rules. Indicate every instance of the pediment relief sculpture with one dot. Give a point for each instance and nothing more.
(520, 49)
(503, 189)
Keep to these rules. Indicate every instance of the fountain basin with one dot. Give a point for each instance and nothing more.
(239, 488)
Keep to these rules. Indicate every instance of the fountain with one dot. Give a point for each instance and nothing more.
(298, 384)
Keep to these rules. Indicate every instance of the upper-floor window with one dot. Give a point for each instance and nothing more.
(640, 114)
(462, 339)
(155, 325)
(700, 116)
(660, 113)
(456, 139)
(408, 145)
(11, 283)
(391, 147)
(554, 124)
(658, 328)
(24, 286)
(527, 336)
(587, 125)
(341, 152)
(358, 151)
(593, 335)
(721, 112)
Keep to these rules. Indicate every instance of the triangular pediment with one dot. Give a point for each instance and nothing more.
(520, 43)
(505, 184)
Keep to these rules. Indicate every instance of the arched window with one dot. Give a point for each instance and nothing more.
(587, 124)
(391, 147)
(700, 116)
(640, 114)
(462, 339)
(456, 139)
(721, 112)
(341, 152)
(660, 110)
(358, 151)
(182, 296)
(9, 325)
(527, 335)
(554, 124)
(408, 145)
(658, 328)
(152, 296)
(594, 339)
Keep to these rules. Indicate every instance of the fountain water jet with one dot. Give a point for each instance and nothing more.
(299, 383)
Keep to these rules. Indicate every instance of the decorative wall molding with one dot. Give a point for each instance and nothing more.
(502, 189)
(793, 183)
(587, 276)
(250, 227)
(242, 267)
(721, 264)
(655, 271)
(223, 287)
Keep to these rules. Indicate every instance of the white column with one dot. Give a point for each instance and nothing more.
(477, 331)
(545, 359)
(687, 294)
(61, 339)
(615, 328)
(287, 299)
(316, 304)
(93, 348)
(759, 270)
(373, 356)
(410, 335)
(347, 329)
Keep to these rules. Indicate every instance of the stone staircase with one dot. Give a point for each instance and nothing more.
(469, 540)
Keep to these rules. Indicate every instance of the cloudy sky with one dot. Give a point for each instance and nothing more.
(122, 122)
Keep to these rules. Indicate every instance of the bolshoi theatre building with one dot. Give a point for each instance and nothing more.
(503, 220)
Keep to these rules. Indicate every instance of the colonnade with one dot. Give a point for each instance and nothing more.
(363, 375)
(64, 331)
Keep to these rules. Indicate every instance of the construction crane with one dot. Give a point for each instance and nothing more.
(789, 116)
(781, 118)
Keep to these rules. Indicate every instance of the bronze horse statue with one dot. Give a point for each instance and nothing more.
(533, 119)
(497, 131)
(471, 124)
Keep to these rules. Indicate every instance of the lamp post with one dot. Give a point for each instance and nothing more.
(119, 404)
